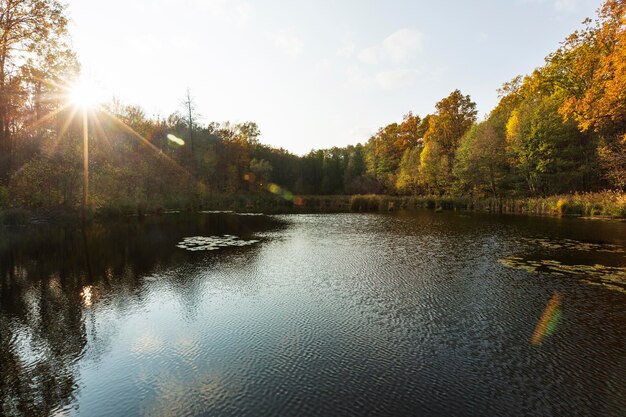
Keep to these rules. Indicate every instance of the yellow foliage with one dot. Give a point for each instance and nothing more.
(512, 126)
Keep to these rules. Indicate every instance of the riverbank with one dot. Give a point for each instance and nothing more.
(606, 204)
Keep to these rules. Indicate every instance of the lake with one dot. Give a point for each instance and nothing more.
(219, 314)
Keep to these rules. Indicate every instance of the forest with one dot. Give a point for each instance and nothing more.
(559, 130)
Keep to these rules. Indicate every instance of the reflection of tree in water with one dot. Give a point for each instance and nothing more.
(41, 330)
(49, 294)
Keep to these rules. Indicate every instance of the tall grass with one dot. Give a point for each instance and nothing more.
(604, 204)
(599, 204)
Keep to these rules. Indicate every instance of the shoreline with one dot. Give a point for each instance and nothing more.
(607, 205)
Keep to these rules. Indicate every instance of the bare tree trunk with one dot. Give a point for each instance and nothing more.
(4, 136)
(189, 104)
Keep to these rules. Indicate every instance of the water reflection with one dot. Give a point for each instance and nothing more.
(398, 314)
(51, 281)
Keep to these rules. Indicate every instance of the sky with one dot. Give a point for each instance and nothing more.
(314, 74)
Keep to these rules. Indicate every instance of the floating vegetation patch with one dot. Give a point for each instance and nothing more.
(610, 277)
(571, 244)
(199, 243)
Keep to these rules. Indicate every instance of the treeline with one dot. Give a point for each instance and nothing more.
(561, 129)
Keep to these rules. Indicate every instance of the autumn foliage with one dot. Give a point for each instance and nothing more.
(559, 130)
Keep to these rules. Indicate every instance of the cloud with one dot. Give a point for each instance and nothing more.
(399, 47)
(369, 56)
(291, 45)
(244, 13)
(391, 55)
(386, 80)
(323, 65)
(356, 78)
(347, 47)
(403, 44)
(566, 5)
(239, 12)
(390, 80)
(361, 133)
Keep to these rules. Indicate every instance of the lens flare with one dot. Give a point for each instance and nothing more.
(274, 188)
(549, 320)
(84, 94)
(175, 140)
(279, 191)
(287, 195)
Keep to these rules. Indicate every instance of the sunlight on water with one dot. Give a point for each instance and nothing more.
(347, 314)
(86, 294)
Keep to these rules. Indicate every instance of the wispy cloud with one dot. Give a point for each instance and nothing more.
(290, 44)
(244, 12)
(361, 133)
(347, 46)
(386, 80)
(357, 78)
(369, 56)
(563, 6)
(323, 65)
(399, 47)
(403, 44)
(390, 80)
(239, 12)
(566, 5)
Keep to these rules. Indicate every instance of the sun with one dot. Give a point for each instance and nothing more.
(84, 94)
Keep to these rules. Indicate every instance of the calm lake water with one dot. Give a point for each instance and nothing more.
(351, 314)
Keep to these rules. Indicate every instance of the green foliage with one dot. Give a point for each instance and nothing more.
(384, 150)
(408, 181)
(454, 116)
(550, 154)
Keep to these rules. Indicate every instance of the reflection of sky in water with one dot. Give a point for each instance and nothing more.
(356, 313)
(170, 363)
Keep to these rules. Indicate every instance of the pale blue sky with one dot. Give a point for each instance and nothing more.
(314, 74)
